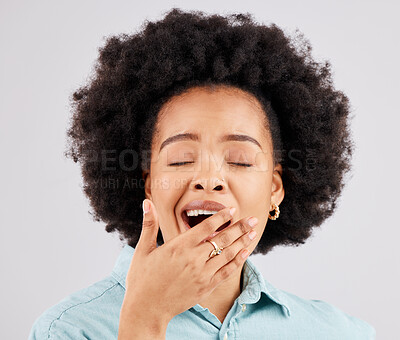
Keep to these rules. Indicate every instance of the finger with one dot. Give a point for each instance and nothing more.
(148, 236)
(198, 233)
(230, 260)
(229, 235)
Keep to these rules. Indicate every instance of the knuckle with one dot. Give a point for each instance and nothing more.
(208, 225)
(217, 220)
(243, 227)
(176, 252)
(229, 254)
(238, 259)
(191, 266)
(224, 240)
(225, 272)
(147, 224)
(198, 281)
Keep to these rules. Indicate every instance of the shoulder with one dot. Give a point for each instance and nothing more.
(81, 314)
(329, 317)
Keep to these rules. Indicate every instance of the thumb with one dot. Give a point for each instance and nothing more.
(148, 237)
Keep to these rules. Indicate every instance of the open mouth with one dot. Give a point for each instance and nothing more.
(192, 221)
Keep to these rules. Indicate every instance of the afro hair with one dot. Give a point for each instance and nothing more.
(116, 111)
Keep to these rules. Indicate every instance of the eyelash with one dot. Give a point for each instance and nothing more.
(237, 164)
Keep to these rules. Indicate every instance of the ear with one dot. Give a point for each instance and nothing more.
(277, 189)
(147, 183)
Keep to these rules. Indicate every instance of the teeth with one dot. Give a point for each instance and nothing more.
(199, 212)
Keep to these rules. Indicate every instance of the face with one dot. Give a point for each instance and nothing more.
(235, 172)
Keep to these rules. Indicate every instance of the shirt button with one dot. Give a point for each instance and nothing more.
(226, 336)
(243, 307)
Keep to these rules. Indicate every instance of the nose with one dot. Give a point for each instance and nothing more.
(210, 184)
(209, 176)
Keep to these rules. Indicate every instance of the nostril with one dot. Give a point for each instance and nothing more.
(219, 187)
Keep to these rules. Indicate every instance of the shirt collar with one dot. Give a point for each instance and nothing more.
(121, 267)
(253, 281)
(254, 284)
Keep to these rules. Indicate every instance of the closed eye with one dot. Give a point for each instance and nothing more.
(241, 164)
(179, 163)
(183, 163)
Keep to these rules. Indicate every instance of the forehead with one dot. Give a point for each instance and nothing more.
(212, 112)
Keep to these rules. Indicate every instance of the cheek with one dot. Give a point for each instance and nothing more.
(255, 186)
(253, 194)
(169, 186)
(167, 190)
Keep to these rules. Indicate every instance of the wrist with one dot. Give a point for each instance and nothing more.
(140, 323)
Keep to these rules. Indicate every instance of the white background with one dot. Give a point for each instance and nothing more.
(50, 246)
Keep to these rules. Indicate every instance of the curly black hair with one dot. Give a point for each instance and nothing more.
(116, 111)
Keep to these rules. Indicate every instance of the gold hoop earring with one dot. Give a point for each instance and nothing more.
(277, 212)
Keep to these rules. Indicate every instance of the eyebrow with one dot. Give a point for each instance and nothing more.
(196, 138)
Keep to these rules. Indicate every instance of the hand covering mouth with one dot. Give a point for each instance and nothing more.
(197, 211)
(192, 221)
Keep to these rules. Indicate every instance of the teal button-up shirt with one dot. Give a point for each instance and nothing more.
(260, 312)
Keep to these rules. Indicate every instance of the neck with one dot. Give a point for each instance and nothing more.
(221, 299)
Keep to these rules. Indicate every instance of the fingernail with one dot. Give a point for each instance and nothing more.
(252, 235)
(245, 253)
(146, 206)
(253, 221)
(232, 211)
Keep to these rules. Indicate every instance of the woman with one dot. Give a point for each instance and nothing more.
(233, 141)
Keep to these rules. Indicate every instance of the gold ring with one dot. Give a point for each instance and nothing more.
(216, 250)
